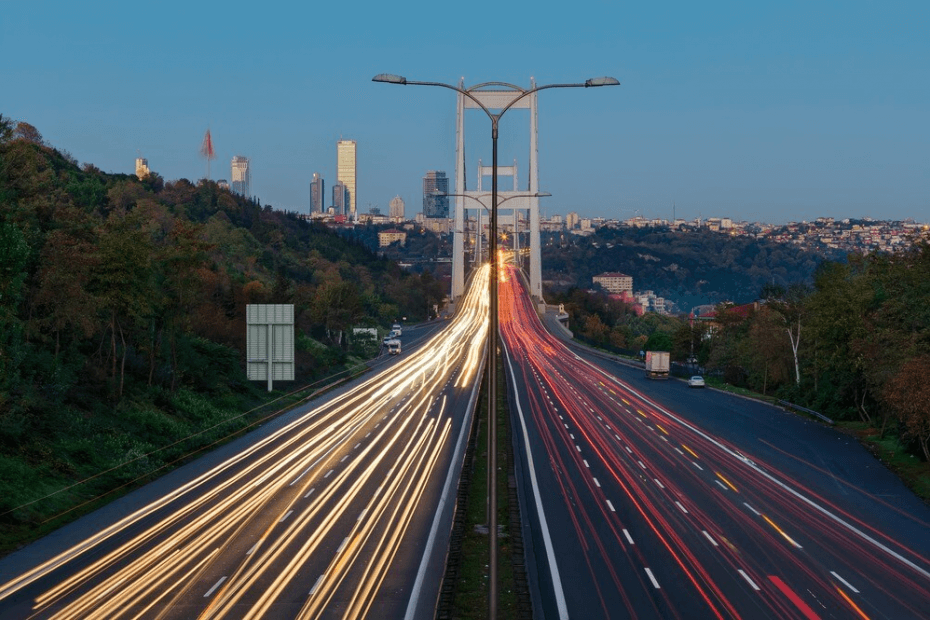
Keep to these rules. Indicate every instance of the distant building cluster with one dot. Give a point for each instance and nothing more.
(619, 286)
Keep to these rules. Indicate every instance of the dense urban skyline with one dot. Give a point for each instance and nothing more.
(781, 113)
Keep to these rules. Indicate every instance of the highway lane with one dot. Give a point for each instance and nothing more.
(341, 512)
(638, 512)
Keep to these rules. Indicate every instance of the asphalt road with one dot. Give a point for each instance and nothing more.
(338, 509)
(646, 499)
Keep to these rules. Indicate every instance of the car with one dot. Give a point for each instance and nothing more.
(393, 335)
(696, 381)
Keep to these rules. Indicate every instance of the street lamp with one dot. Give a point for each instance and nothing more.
(437, 192)
(520, 93)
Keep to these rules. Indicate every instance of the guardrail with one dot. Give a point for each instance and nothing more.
(817, 414)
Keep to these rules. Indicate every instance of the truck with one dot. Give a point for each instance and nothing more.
(396, 328)
(657, 364)
(393, 347)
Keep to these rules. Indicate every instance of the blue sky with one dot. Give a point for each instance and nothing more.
(764, 111)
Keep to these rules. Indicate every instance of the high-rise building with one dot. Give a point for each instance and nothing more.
(397, 208)
(340, 199)
(241, 176)
(142, 167)
(346, 172)
(317, 194)
(435, 185)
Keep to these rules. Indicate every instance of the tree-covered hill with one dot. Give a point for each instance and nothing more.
(122, 310)
(690, 268)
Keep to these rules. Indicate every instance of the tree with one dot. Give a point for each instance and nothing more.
(27, 132)
(790, 306)
(908, 394)
(122, 281)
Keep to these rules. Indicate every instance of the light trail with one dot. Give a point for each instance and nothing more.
(235, 539)
(710, 544)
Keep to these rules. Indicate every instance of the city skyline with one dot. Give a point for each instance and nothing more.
(777, 114)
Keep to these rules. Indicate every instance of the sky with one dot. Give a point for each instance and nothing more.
(758, 111)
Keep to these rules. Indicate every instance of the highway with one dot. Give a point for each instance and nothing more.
(637, 510)
(342, 512)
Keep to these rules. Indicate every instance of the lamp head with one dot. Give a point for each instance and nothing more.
(390, 78)
(602, 81)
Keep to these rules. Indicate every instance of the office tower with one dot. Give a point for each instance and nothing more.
(317, 194)
(435, 205)
(340, 199)
(241, 176)
(346, 172)
(397, 208)
(142, 167)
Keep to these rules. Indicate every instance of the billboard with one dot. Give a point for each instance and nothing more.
(270, 342)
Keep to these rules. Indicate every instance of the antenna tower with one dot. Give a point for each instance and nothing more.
(206, 149)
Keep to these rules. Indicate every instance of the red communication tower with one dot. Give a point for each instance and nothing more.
(206, 149)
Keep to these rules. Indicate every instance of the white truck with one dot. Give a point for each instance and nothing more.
(393, 347)
(657, 364)
(396, 328)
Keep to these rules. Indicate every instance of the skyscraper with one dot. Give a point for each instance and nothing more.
(317, 194)
(241, 176)
(340, 199)
(397, 208)
(435, 205)
(346, 173)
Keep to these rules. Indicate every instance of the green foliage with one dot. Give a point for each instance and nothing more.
(122, 313)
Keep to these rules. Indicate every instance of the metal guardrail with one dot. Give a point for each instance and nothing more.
(817, 414)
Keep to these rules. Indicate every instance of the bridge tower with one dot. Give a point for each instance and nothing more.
(496, 96)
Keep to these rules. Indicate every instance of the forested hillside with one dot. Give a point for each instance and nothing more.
(690, 269)
(122, 312)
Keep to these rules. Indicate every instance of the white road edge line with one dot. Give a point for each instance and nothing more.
(772, 479)
(443, 500)
(558, 591)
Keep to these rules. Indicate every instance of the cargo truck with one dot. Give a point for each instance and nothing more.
(393, 347)
(657, 364)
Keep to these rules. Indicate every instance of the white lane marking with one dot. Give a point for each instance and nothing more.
(618, 437)
(343, 458)
(285, 516)
(696, 465)
(628, 449)
(328, 474)
(611, 506)
(721, 485)
(750, 581)
(254, 547)
(357, 445)
(682, 507)
(848, 585)
(215, 586)
(577, 447)
(652, 579)
(571, 436)
(565, 425)
(712, 541)
(628, 537)
(310, 492)
(772, 479)
(316, 584)
(361, 515)
(558, 591)
(641, 464)
(661, 486)
(758, 514)
(367, 434)
(662, 437)
(597, 483)
(345, 541)
(585, 461)
(679, 452)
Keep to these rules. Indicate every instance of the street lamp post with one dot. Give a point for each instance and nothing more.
(478, 198)
(492, 288)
